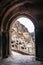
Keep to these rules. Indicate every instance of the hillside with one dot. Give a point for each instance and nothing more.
(21, 38)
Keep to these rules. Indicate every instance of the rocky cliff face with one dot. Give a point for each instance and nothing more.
(21, 38)
(20, 31)
(19, 26)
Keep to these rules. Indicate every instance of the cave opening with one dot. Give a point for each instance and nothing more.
(22, 36)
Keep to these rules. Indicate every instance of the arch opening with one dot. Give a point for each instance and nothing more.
(22, 36)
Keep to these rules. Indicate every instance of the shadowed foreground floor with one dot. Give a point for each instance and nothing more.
(18, 59)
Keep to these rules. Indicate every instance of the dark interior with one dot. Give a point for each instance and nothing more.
(10, 9)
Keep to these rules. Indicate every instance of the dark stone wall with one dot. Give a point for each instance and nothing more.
(0, 44)
(39, 44)
(39, 40)
(4, 44)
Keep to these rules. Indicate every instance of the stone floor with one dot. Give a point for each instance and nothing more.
(18, 59)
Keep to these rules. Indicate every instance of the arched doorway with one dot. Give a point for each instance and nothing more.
(5, 31)
(9, 13)
(13, 13)
(22, 36)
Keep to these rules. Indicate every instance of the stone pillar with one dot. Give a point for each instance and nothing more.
(5, 45)
(0, 46)
(39, 44)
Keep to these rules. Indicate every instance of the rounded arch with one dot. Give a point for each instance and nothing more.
(14, 12)
(19, 16)
(7, 23)
(10, 15)
(8, 12)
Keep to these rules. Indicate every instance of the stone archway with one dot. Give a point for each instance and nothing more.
(9, 16)
(21, 33)
(5, 34)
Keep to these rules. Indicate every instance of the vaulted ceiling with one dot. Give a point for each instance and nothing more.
(33, 6)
